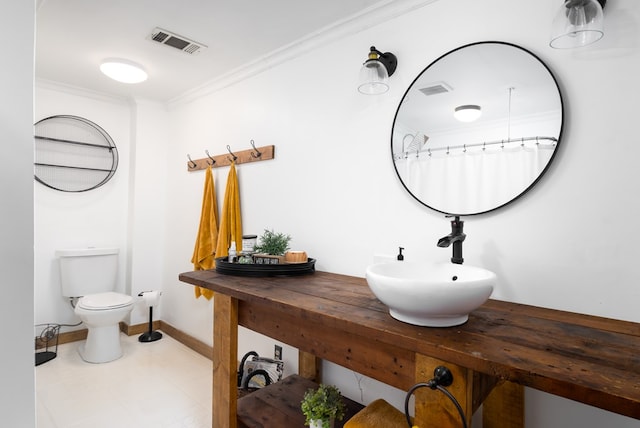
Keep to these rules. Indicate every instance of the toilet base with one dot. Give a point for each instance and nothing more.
(102, 344)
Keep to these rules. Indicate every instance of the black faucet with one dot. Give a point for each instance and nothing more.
(455, 237)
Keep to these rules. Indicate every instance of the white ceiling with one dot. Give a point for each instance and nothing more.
(74, 36)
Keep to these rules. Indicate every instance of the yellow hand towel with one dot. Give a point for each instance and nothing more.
(231, 220)
(204, 252)
(378, 414)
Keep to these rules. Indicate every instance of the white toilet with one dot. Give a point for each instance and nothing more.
(90, 274)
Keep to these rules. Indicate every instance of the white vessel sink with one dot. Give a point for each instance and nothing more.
(430, 294)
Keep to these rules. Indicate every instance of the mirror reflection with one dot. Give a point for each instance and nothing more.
(477, 128)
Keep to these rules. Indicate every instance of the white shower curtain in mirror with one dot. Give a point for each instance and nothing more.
(473, 180)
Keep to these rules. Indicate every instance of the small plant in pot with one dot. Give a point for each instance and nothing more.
(271, 244)
(322, 406)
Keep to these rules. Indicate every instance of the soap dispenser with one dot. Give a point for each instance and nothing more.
(400, 256)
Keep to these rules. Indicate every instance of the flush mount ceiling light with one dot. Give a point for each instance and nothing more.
(467, 113)
(375, 72)
(123, 70)
(578, 23)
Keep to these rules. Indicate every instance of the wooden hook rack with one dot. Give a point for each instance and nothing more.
(245, 156)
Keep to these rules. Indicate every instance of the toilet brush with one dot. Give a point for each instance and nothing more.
(150, 298)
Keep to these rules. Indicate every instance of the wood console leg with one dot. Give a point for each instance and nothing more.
(225, 355)
(504, 407)
(309, 366)
(433, 408)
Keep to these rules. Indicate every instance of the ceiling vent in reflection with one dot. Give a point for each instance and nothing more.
(436, 88)
(171, 39)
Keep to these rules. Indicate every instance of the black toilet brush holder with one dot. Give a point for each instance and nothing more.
(150, 335)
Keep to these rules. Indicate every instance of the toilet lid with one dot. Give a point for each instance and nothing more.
(108, 300)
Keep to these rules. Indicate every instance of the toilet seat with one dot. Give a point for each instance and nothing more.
(104, 301)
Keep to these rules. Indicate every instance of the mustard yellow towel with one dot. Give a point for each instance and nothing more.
(231, 220)
(378, 414)
(204, 252)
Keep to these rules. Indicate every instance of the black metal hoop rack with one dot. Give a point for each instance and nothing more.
(73, 154)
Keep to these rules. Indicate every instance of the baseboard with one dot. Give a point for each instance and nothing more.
(131, 330)
(188, 340)
(70, 336)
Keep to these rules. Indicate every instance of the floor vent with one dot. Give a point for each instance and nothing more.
(175, 41)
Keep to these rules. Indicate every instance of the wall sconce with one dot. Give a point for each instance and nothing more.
(578, 23)
(467, 113)
(375, 72)
(123, 70)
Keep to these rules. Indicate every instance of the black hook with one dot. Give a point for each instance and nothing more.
(192, 164)
(257, 154)
(231, 153)
(213, 161)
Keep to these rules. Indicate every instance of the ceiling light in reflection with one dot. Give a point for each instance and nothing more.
(467, 113)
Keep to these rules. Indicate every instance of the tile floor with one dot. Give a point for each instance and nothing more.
(161, 384)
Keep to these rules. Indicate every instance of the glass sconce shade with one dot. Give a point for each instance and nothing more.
(578, 23)
(374, 78)
(375, 72)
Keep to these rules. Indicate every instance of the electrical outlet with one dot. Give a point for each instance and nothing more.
(277, 352)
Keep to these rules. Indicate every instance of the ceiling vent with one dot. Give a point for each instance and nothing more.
(175, 41)
(436, 88)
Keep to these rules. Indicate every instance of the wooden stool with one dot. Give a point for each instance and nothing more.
(378, 413)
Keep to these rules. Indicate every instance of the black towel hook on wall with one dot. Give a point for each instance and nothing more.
(192, 164)
(213, 161)
(231, 153)
(257, 153)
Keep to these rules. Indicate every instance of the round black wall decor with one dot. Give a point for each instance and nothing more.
(73, 154)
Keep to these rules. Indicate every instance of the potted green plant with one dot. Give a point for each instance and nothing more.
(271, 248)
(322, 406)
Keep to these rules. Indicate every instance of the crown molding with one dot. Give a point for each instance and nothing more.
(372, 16)
(78, 91)
(52, 85)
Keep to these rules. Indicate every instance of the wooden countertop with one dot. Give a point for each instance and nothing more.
(589, 359)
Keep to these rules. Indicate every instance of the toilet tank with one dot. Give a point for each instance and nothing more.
(88, 270)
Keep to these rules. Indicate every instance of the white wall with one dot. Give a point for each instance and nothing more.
(147, 200)
(17, 407)
(126, 212)
(96, 218)
(569, 243)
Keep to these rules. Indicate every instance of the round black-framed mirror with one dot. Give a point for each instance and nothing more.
(479, 165)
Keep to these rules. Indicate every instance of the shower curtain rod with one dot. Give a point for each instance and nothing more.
(483, 144)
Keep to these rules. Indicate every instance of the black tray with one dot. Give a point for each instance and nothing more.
(255, 269)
